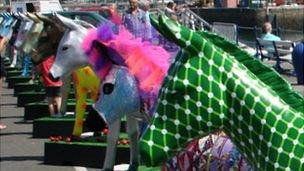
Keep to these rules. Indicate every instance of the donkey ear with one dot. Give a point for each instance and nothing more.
(24, 17)
(155, 23)
(66, 22)
(5, 15)
(84, 24)
(33, 17)
(44, 18)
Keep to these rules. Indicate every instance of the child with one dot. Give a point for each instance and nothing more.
(52, 87)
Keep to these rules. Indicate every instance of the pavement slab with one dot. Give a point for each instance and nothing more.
(18, 150)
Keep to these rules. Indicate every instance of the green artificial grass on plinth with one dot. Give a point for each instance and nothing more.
(32, 96)
(48, 126)
(27, 87)
(40, 109)
(13, 73)
(17, 79)
(8, 69)
(144, 168)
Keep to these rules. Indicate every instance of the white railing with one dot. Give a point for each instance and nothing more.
(193, 21)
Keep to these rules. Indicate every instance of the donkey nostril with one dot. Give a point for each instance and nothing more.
(108, 88)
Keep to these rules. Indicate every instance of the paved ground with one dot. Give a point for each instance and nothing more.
(19, 151)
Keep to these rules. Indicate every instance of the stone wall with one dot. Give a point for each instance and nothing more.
(288, 18)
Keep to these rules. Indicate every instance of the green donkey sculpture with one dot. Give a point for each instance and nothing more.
(213, 85)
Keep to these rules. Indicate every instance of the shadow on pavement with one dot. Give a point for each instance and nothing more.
(21, 158)
(8, 104)
(10, 117)
(6, 94)
(23, 122)
(15, 133)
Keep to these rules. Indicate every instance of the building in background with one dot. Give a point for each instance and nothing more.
(35, 5)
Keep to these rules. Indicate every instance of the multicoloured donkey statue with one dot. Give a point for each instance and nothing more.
(25, 28)
(125, 82)
(213, 85)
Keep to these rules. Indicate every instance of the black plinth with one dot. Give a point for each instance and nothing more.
(32, 96)
(25, 87)
(8, 69)
(39, 110)
(18, 79)
(29, 97)
(13, 73)
(48, 126)
(81, 153)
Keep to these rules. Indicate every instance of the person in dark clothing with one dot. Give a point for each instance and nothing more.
(298, 62)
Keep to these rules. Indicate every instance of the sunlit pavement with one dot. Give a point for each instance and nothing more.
(18, 150)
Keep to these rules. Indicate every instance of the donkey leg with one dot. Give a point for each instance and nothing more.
(132, 129)
(112, 138)
(80, 110)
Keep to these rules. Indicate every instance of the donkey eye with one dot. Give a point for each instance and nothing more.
(108, 88)
(65, 48)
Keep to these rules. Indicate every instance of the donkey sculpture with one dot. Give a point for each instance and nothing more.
(31, 35)
(12, 49)
(213, 85)
(117, 82)
(85, 80)
(25, 27)
(119, 91)
(54, 31)
(7, 23)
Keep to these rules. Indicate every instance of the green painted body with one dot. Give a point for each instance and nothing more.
(213, 85)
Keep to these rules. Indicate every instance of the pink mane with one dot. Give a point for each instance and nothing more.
(147, 62)
(87, 41)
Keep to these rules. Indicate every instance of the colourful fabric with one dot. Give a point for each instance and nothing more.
(214, 152)
(211, 87)
(44, 68)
